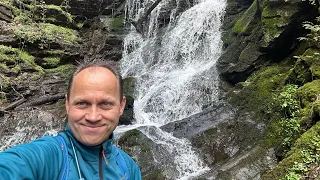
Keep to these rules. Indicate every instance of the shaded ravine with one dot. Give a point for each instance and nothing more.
(175, 74)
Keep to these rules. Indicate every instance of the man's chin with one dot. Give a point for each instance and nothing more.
(92, 142)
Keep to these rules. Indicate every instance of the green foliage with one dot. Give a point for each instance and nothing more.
(286, 120)
(313, 38)
(292, 176)
(287, 101)
(303, 157)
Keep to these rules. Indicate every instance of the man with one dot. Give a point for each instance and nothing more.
(94, 103)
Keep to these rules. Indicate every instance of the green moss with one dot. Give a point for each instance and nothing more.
(275, 19)
(256, 92)
(51, 61)
(312, 57)
(243, 23)
(130, 137)
(4, 80)
(52, 13)
(306, 68)
(53, 52)
(46, 34)
(15, 56)
(65, 70)
(7, 2)
(59, 9)
(7, 54)
(130, 134)
(117, 24)
(309, 93)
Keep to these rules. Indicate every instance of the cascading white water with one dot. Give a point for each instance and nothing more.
(175, 72)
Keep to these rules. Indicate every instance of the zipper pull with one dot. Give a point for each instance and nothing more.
(104, 157)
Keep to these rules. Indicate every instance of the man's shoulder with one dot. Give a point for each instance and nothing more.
(46, 141)
(45, 144)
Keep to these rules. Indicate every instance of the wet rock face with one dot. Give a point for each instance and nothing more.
(228, 139)
(265, 31)
(103, 38)
(141, 149)
(92, 8)
(248, 165)
(26, 124)
(199, 123)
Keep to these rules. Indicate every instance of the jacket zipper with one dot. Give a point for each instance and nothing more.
(100, 162)
(100, 165)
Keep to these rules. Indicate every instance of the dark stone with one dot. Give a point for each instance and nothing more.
(141, 148)
(9, 40)
(228, 139)
(90, 8)
(127, 116)
(5, 13)
(198, 123)
(54, 2)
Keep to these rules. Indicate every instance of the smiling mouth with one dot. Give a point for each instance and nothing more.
(90, 126)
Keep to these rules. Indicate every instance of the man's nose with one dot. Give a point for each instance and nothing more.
(93, 114)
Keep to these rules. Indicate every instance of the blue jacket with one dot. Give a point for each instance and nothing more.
(43, 159)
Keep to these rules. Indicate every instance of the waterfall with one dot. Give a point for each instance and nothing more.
(173, 64)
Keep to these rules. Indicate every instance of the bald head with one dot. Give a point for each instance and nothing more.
(91, 66)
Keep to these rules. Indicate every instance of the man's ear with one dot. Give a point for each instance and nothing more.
(122, 104)
(67, 103)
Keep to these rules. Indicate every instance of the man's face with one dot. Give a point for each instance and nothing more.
(94, 105)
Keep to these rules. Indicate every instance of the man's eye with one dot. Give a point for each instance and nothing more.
(105, 104)
(81, 104)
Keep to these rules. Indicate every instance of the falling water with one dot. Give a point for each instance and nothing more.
(174, 68)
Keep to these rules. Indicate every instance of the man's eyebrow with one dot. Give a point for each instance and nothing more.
(80, 100)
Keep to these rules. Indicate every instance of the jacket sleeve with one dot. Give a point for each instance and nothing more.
(134, 170)
(40, 159)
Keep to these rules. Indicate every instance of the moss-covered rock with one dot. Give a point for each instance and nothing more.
(50, 62)
(256, 92)
(63, 70)
(275, 19)
(247, 19)
(299, 160)
(306, 68)
(138, 146)
(309, 93)
(15, 60)
(117, 25)
(128, 86)
(53, 14)
(46, 35)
